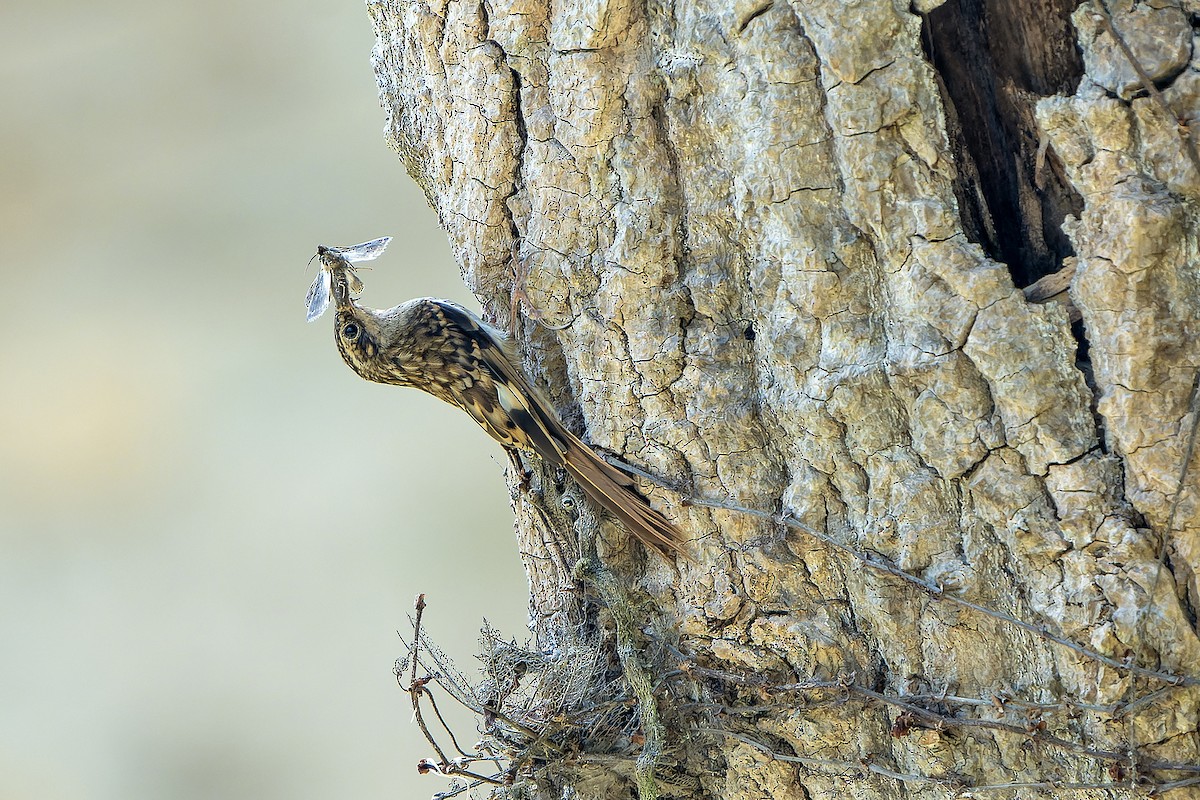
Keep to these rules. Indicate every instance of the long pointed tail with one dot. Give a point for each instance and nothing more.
(614, 490)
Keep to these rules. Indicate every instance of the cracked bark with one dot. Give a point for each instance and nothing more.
(784, 241)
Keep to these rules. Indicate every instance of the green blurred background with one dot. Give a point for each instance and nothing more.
(210, 529)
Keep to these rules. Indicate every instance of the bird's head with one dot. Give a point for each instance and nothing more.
(361, 338)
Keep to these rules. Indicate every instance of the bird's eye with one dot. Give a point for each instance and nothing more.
(349, 331)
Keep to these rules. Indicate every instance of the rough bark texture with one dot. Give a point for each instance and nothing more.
(783, 241)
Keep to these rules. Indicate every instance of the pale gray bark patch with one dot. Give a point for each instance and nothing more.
(1138, 287)
(746, 217)
(1160, 38)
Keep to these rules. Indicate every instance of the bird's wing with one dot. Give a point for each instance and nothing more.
(493, 389)
(503, 401)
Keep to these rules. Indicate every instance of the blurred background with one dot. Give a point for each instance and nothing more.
(210, 529)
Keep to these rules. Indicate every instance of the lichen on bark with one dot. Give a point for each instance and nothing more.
(740, 228)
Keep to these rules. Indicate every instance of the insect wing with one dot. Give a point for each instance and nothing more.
(318, 295)
(356, 284)
(367, 251)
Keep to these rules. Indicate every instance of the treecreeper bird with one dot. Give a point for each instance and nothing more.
(445, 350)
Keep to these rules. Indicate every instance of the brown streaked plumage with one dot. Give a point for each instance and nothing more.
(445, 350)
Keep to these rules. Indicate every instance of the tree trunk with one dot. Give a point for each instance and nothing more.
(775, 253)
